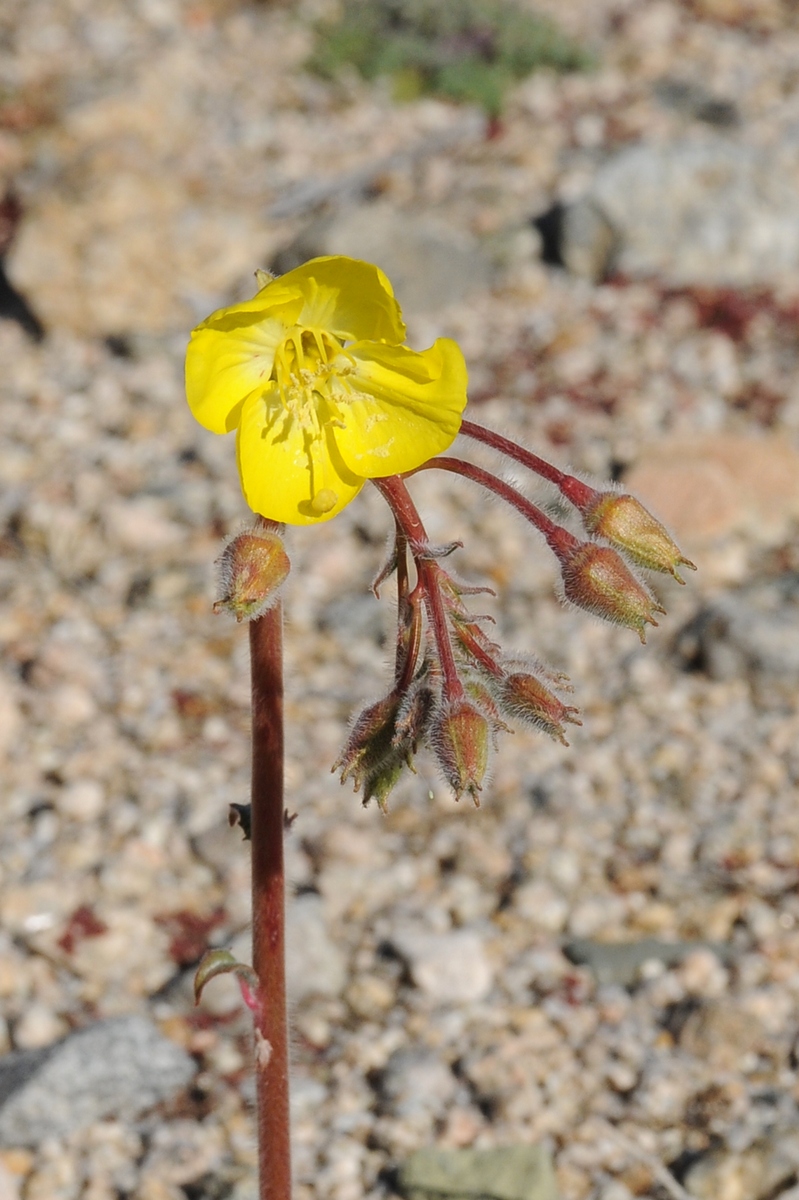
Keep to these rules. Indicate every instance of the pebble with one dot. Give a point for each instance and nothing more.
(431, 263)
(450, 968)
(509, 1173)
(706, 210)
(315, 964)
(114, 1068)
(415, 1082)
(622, 962)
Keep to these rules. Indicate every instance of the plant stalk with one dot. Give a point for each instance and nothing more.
(395, 493)
(268, 906)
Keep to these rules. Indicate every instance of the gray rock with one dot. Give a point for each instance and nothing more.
(429, 263)
(314, 963)
(504, 1173)
(621, 962)
(452, 968)
(696, 102)
(117, 1068)
(417, 1082)
(752, 631)
(697, 211)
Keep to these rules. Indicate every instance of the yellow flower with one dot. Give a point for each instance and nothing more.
(313, 375)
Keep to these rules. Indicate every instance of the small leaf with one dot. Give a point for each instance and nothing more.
(222, 962)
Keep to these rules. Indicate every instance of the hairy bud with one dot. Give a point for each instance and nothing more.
(379, 783)
(620, 518)
(414, 716)
(251, 569)
(460, 737)
(524, 696)
(370, 744)
(596, 578)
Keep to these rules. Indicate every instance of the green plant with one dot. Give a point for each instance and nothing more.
(466, 50)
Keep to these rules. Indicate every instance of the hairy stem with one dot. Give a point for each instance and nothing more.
(579, 493)
(559, 540)
(268, 905)
(396, 495)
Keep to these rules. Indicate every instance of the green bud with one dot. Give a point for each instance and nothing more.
(622, 520)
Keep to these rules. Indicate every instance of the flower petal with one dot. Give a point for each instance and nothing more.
(285, 474)
(347, 296)
(229, 356)
(405, 406)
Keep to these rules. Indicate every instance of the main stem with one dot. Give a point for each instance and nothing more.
(268, 906)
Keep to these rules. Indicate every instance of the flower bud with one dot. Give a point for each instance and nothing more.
(596, 579)
(414, 716)
(370, 743)
(620, 518)
(524, 696)
(380, 782)
(460, 739)
(251, 569)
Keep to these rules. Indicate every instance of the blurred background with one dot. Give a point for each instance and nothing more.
(598, 199)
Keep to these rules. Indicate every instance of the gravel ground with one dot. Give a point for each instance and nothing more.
(438, 992)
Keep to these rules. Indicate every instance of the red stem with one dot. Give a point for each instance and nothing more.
(580, 494)
(396, 495)
(268, 906)
(560, 541)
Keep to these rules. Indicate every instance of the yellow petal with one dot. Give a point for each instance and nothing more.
(405, 406)
(229, 356)
(285, 474)
(346, 296)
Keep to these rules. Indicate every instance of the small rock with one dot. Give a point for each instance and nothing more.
(721, 1034)
(314, 963)
(10, 715)
(429, 263)
(416, 1082)
(621, 962)
(114, 1068)
(705, 211)
(752, 630)
(182, 1151)
(452, 968)
(82, 800)
(38, 1026)
(306, 1096)
(504, 1173)
(718, 484)
(753, 1175)
(695, 101)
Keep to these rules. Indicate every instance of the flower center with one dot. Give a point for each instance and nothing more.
(307, 375)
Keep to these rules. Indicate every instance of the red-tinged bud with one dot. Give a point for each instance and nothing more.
(596, 579)
(524, 696)
(473, 644)
(251, 569)
(370, 743)
(484, 700)
(460, 738)
(621, 519)
(414, 717)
